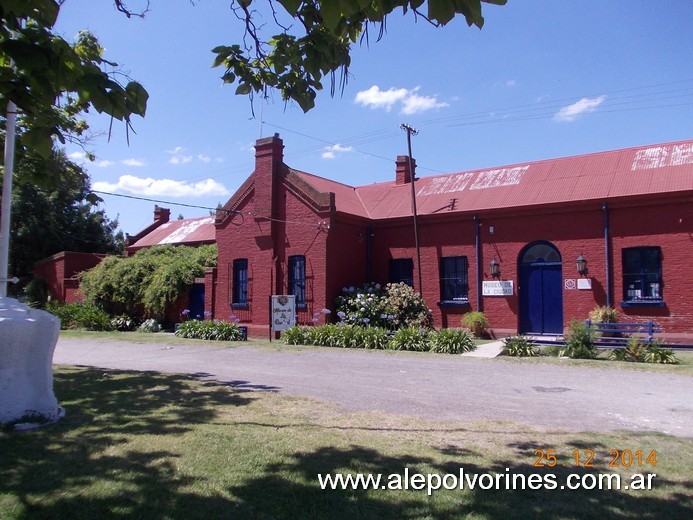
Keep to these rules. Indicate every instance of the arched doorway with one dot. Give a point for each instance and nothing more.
(541, 290)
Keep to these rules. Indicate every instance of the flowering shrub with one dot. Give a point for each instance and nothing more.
(365, 305)
(408, 307)
(150, 325)
(394, 306)
(209, 330)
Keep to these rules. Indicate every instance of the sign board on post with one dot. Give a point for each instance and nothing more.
(498, 288)
(283, 312)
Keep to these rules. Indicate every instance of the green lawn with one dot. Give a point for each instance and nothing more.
(149, 445)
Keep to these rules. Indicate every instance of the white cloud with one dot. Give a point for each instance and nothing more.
(177, 156)
(376, 98)
(180, 159)
(77, 155)
(584, 106)
(204, 158)
(162, 187)
(104, 163)
(134, 162)
(411, 102)
(330, 152)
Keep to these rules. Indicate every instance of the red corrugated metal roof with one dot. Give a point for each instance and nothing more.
(180, 232)
(646, 170)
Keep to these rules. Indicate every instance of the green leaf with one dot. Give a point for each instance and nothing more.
(243, 89)
(441, 11)
(137, 94)
(331, 14)
(291, 6)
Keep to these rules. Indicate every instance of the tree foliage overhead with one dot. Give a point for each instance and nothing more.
(317, 40)
(54, 217)
(147, 281)
(52, 81)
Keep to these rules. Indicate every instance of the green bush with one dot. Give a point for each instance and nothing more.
(639, 352)
(451, 341)
(36, 293)
(603, 314)
(654, 353)
(151, 279)
(519, 346)
(296, 335)
(409, 338)
(579, 343)
(476, 322)
(209, 330)
(344, 336)
(80, 315)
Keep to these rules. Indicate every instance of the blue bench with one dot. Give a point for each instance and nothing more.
(618, 334)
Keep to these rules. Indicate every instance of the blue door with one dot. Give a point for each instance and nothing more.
(541, 290)
(196, 301)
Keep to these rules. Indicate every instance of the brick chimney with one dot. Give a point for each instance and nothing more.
(269, 160)
(403, 175)
(161, 215)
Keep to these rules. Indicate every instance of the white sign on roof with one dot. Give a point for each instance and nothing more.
(662, 156)
(499, 177)
(180, 234)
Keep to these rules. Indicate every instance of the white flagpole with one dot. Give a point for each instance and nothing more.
(8, 172)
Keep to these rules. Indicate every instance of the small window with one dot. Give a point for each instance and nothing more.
(297, 279)
(642, 275)
(401, 270)
(454, 286)
(239, 295)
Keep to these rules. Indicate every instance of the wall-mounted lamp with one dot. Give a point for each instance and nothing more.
(494, 268)
(581, 265)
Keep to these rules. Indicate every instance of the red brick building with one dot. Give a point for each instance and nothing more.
(628, 213)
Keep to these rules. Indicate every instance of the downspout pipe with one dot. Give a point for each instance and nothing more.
(479, 270)
(369, 254)
(607, 252)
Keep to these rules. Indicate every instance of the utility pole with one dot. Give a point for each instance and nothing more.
(412, 131)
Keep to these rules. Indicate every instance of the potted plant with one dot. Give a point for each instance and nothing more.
(476, 322)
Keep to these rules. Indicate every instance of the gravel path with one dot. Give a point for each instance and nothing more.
(569, 398)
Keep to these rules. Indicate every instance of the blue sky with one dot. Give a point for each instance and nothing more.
(543, 79)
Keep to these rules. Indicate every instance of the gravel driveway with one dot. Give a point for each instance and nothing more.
(573, 398)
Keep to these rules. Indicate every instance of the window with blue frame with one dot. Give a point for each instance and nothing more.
(239, 295)
(642, 275)
(401, 270)
(454, 284)
(297, 279)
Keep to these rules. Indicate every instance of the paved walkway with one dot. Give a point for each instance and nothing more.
(551, 395)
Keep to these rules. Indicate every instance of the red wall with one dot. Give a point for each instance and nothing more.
(60, 273)
(274, 220)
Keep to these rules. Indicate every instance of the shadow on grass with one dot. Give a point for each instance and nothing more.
(69, 470)
(103, 461)
(300, 496)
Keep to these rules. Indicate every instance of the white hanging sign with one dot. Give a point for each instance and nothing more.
(283, 312)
